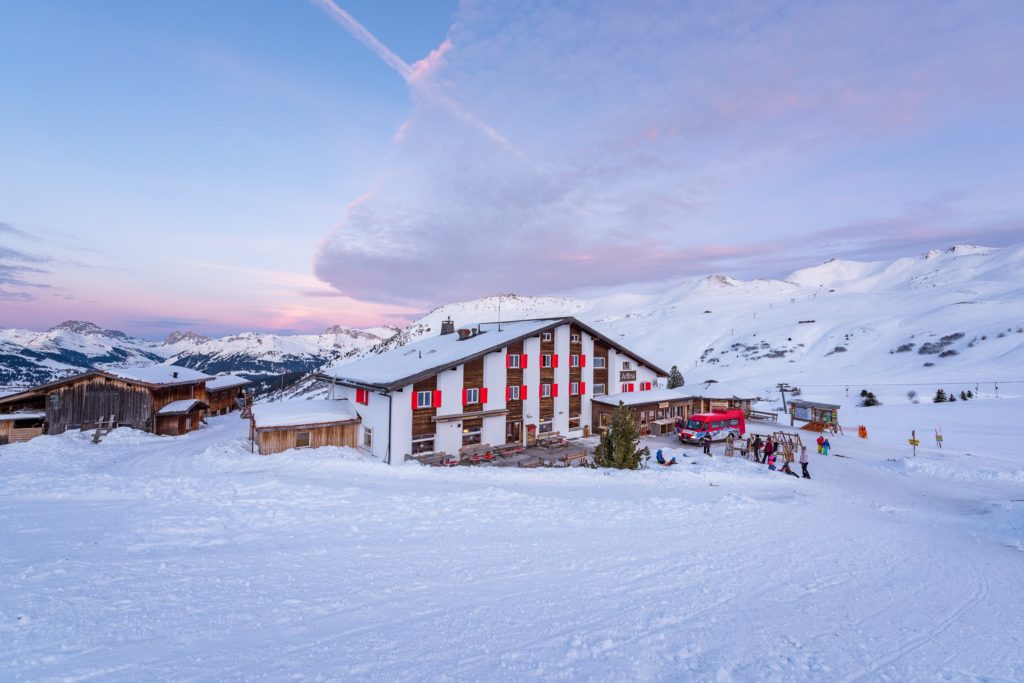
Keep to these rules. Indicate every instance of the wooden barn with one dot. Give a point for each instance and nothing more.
(223, 392)
(279, 426)
(133, 397)
(21, 426)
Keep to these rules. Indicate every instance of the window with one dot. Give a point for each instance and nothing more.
(367, 438)
(599, 361)
(574, 422)
(546, 336)
(545, 391)
(574, 360)
(574, 388)
(696, 425)
(513, 361)
(423, 444)
(545, 360)
(512, 393)
(54, 400)
(302, 439)
(470, 435)
(734, 422)
(626, 365)
(424, 399)
(546, 427)
(574, 338)
(472, 396)
(599, 390)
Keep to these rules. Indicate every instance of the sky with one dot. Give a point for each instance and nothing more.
(285, 166)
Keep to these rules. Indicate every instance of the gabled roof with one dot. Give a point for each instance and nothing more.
(146, 376)
(632, 398)
(811, 404)
(300, 413)
(226, 382)
(404, 365)
(185, 405)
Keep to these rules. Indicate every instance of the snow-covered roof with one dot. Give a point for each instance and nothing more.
(180, 407)
(160, 374)
(25, 415)
(722, 390)
(632, 398)
(226, 382)
(397, 366)
(405, 364)
(811, 404)
(299, 413)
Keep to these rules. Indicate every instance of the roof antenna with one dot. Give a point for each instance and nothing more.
(499, 312)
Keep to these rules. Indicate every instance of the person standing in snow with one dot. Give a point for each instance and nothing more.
(769, 448)
(804, 460)
(730, 447)
(821, 444)
(757, 448)
(825, 446)
(706, 442)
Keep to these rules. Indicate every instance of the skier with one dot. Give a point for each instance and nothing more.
(821, 443)
(706, 442)
(757, 448)
(825, 446)
(804, 459)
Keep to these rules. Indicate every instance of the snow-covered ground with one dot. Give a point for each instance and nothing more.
(187, 558)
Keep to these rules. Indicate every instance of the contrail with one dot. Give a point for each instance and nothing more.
(360, 33)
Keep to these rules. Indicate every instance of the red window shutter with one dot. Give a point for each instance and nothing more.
(414, 399)
(464, 396)
(554, 360)
(508, 393)
(583, 360)
(483, 395)
(583, 388)
(522, 393)
(508, 360)
(437, 399)
(554, 390)
(522, 361)
(631, 386)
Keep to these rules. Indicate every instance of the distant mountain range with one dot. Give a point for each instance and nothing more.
(951, 315)
(28, 357)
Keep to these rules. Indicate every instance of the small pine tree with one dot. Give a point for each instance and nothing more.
(912, 395)
(940, 396)
(618, 448)
(863, 393)
(869, 399)
(952, 397)
(675, 378)
(963, 396)
(970, 394)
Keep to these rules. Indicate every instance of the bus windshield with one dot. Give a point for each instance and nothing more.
(696, 425)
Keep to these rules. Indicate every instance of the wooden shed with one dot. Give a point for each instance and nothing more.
(224, 391)
(813, 411)
(276, 427)
(21, 426)
(656, 410)
(133, 397)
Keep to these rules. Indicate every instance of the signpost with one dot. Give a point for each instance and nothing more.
(938, 438)
(913, 441)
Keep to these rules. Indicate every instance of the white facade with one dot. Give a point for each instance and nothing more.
(450, 381)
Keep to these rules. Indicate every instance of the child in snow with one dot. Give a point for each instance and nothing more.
(821, 444)
(825, 446)
(804, 460)
(660, 457)
(730, 447)
(706, 441)
(771, 461)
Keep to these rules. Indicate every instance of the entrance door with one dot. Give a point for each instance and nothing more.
(514, 432)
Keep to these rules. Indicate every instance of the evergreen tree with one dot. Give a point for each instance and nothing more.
(970, 394)
(952, 397)
(963, 396)
(940, 396)
(869, 398)
(675, 378)
(619, 445)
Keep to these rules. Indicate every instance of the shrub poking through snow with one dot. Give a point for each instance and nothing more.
(619, 445)
(963, 396)
(912, 396)
(940, 396)
(868, 399)
(903, 348)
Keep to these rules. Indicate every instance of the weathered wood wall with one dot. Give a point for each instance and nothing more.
(85, 401)
(575, 374)
(180, 392)
(473, 378)
(547, 376)
(275, 441)
(223, 401)
(422, 425)
(601, 374)
(514, 377)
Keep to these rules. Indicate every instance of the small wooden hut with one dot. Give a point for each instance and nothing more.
(21, 426)
(223, 392)
(813, 411)
(276, 427)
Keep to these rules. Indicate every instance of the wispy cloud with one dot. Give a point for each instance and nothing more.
(661, 137)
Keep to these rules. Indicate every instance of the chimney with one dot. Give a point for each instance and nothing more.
(174, 374)
(447, 326)
(464, 334)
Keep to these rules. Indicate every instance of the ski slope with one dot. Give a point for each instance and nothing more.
(188, 558)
